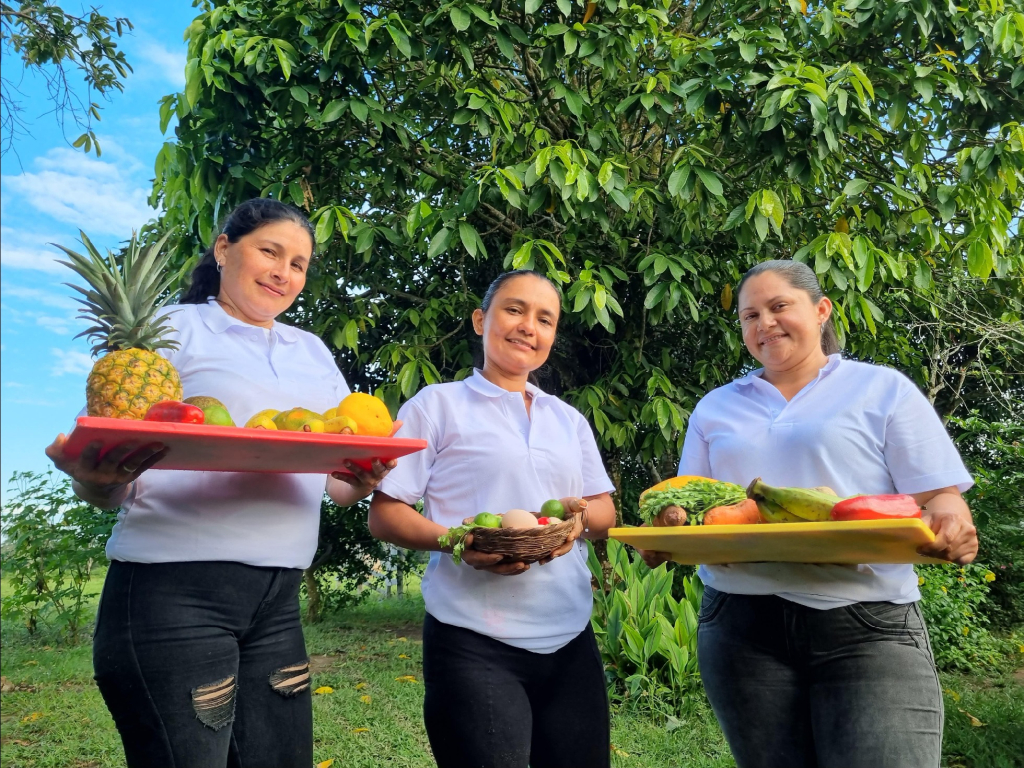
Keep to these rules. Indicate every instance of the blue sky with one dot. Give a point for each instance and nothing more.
(48, 191)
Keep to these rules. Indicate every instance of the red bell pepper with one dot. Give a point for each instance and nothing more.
(175, 412)
(883, 507)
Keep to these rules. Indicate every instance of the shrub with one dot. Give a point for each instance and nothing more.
(348, 559)
(952, 600)
(52, 542)
(648, 639)
(994, 452)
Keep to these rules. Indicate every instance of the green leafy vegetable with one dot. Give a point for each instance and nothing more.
(456, 539)
(696, 497)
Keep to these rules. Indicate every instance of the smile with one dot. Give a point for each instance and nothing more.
(521, 343)
(268, 289)
(772, 339)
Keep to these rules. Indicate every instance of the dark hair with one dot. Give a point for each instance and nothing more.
(504, 277)
(488, 299)
(246, 218)
(801, 277)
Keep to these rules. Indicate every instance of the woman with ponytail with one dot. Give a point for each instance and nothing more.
(822, 665)
(199, 652)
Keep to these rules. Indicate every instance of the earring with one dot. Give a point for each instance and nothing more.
(220, 267)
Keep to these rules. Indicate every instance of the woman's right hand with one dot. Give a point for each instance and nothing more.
(483, 561)
(120, 466)
(652, 557)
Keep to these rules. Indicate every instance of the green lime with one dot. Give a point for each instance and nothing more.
(487, 520)
(552, 508)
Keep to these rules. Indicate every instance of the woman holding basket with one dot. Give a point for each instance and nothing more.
(822, 665)
(199, 652)
(512, 671)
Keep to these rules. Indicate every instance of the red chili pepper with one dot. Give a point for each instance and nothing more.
(175, 412)
(882, 507)
(543, 520)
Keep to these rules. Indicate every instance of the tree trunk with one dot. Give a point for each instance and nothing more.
(400, 583)
(315, 603)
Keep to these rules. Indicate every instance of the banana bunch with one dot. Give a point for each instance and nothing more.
(792, 505)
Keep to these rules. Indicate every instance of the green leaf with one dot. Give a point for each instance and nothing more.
(710, 179)
(469, 237)
(854, 187)
(439, 243)
(532, 6)
(359, 109)
(299, 94)
(460, 18)
(979, 259)
(748, 51)
(282, 57)
(333, 111)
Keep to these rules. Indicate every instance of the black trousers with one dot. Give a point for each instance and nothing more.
(203, 665)
(489, 705)
(796, 687)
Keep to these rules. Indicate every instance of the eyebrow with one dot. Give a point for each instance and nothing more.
(523, 303)
(772, 300)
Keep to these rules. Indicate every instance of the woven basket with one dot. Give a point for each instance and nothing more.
(523, 545)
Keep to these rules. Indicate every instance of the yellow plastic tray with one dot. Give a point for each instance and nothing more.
(854, 541)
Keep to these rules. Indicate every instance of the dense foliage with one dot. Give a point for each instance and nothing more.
(50, 41)
(644, 155)
(52, 542)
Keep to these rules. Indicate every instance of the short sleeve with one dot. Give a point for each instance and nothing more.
(595, 478)
(408, 481)
(695, 458)
(919, 453)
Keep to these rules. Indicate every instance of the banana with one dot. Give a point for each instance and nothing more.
(773, 513)
(804, 503)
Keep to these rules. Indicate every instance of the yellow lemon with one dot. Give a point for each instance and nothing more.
(369, 413)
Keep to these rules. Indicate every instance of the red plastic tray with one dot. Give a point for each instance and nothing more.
(236, 449)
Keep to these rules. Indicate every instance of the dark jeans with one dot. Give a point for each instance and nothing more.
(204, 665)
(489, 705)
(795, 687)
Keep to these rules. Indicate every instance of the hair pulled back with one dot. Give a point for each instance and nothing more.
(246, 218)
(488, 300)
(801, 277)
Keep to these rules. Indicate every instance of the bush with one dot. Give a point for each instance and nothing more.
(648, 639)
(994, 452)
(52, 542)
(348, 559)
(952, 600)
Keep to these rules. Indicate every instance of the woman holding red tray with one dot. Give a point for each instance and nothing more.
(822, 665)
(199, 652)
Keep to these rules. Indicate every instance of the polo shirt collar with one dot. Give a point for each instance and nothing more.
(218, 321)
(833, 362)
(478, 383)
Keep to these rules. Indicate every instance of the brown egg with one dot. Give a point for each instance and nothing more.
(519, 518)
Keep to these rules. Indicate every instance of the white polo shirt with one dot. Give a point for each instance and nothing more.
(485, 454)
(245, 517)
(856, 428)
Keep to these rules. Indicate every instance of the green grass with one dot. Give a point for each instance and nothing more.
(56, 717)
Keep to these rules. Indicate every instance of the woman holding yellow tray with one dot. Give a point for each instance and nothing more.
(822, 665)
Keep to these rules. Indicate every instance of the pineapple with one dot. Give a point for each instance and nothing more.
(122, 301)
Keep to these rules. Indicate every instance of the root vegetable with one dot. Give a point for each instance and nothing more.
(744, 513)
(670, 516)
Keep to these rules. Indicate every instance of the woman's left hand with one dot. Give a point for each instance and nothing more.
(574, 508)
(947, 514)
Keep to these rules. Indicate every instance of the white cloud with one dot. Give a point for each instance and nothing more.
(59, 325)
(92, 194)
(167, 65)
(71, 361)
(30, 250)
(39, 297)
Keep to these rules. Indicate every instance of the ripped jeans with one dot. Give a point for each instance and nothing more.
(203, 665)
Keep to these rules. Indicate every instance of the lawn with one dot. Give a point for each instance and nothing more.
(367, 665)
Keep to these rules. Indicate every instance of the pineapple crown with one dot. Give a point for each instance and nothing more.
(123, 295)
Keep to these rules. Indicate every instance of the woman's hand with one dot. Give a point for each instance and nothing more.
(364, 482)
(103, 481)
(947, 514)
(483, 561)
(574, 508)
